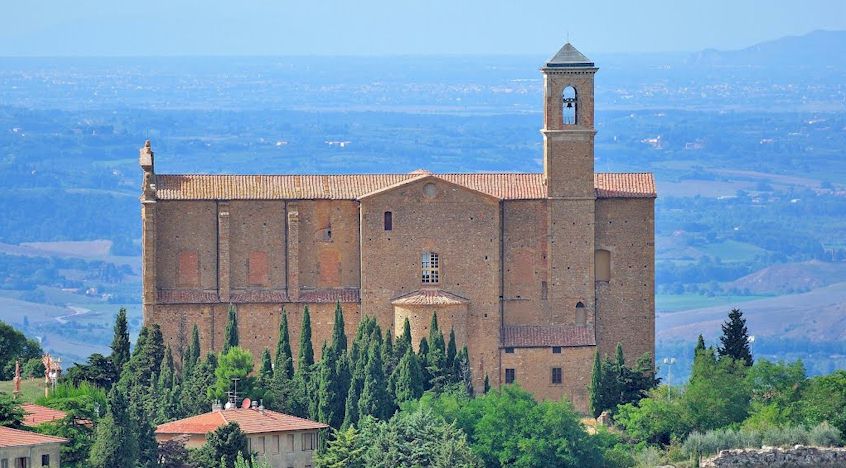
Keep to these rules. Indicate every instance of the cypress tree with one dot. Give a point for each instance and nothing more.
(325, 385)
(596, 396)
(462, 372)
(423, 358)
(195, 397)
(451, 348)
(734, 342)
(700, 345)
(373, 400)
(342, 387)
(306, 356)
(357, 369)
(487, 385)
(120, 341)
(436, 357)
(230, 336)
(284, 359)
(266, 369)
(192, 354)
(388, 353)
(339, 337)
(408, 381)
(404, 341)
(115, 442)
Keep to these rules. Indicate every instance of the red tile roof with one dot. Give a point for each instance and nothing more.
(186, 296)
(37, 414)
(535, 336)
(251, 421)
(506, 186)
(253, 296)
(16, 438)
(429, 296)
(329, 295)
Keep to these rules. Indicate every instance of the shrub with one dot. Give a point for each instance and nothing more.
(711, 442)
(825, 435)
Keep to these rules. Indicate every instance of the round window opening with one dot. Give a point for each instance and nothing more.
(430, 190)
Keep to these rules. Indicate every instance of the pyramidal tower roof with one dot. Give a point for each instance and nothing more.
(568, 57)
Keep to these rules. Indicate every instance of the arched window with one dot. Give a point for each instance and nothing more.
(602, 265)
(389, 221)
(569, 112)
(430, 266)
(581, 314)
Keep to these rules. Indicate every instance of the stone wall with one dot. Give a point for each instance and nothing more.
(770, 457)
(533, 371)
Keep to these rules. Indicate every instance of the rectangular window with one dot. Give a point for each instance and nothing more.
(4, 463)
(308, 441)
(45, 460)
(556, 350)
(556, 375)
(276, 444)
(290, 442)
(262, 446)
(509, 350)
(509, 376)
(22, 462)
(431, 267)
(389, 221)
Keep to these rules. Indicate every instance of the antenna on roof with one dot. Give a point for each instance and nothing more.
(233, 394)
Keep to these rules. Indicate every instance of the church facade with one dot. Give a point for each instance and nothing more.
(535, 272)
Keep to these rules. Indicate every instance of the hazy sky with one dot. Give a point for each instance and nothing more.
(343, 27)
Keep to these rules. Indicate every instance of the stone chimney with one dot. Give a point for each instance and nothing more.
(146, 160)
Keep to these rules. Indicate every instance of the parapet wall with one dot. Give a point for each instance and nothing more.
(772, 457)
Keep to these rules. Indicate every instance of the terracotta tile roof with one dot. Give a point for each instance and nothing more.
(531, 336)
(624, 185)
(506, 186)
(251, 421)
(15, 438)
(429, 296)
(37, 414)
(186, 296)
(329, 295)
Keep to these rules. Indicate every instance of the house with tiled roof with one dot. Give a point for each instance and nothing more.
(37, 414)
(281, 439)
(24, 449)
(534, 272)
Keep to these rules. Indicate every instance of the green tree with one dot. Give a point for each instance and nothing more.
(408, 380)
(339, 336)
(462, 374)
(13, 346)
(596, 392)
(194, 397)
(305, 366)
(116, 440)
(824, 399)
(222, 447)
(11, 413)
(284, 358)
(734, 342)
(374, 398)
(451, 349)
(192, 354)
(718, 392)
(230, 335)
(404, 341)
(345, 450)
(120, 341)
(324, 377)
(266, 369)
(237, 362)
(367, 331)
(423, 359)
(776, 392)
(700, 345)
(306, 356)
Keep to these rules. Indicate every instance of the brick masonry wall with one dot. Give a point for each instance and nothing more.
(257, 226)
(469, 255)
(533, 369)
(626, 303)
(328, 244)
(450, 317)
(186, 226)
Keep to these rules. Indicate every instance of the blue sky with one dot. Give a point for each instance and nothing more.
(376, 27)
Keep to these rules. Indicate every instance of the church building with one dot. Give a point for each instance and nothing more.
(534, 272)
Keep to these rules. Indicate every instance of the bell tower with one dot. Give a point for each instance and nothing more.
(568, 131)
(568, 136)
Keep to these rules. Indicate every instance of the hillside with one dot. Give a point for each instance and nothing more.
(818, 49)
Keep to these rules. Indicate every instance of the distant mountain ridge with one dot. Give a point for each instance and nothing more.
(817, 49)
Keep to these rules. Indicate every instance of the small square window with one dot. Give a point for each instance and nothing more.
(4, 463)
(556, 375)
(509, 376)
(556, 350)
(509, 350)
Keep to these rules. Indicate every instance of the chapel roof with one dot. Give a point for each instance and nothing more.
(533, 336)
(504, 186)
(428, 297)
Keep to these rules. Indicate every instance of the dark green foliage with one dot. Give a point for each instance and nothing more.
(120, 341)
(11, 413)
(167, 390)
(194, 398)
(305, 367)
(230, 335)
(734, 342)
(192, 354)
(408, 378)
(404, 341)
(14, 345)
(824, 399)
(374, 400)
(237, 362)
(266, 369)
(33, 368)
(99, 371)
(116, 439)
(451, 349)
(700, 345)
(306, 352)
(423, 358)
(324, 383)
(339, 337)
(367, 332)
(461, 373)
(284, 358)
(83, 404)
(614, 383)
(172, 453)
(345, 450)
(222, 447)
(283, 394)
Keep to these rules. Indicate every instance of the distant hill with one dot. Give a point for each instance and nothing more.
(786, 278)
(817, 49)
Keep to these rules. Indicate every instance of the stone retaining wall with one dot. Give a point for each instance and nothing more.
(778, 457)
